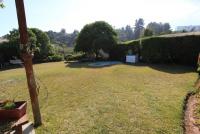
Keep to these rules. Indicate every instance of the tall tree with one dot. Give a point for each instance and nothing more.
(129, 33)
(147, 33)
(159, 28)
(14, 40)
(38, 40)
(125, 34)
(44, 48)
(139, 27)
(166, 27)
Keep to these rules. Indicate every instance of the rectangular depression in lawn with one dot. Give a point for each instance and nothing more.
(117, 99)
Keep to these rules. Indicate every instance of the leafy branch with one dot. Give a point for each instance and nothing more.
(1, 5)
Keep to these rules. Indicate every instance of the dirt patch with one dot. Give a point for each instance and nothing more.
(189, 120)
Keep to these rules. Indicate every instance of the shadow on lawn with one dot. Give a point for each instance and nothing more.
(11, 67)
(168, 68)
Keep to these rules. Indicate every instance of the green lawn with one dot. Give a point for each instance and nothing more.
(120, 99)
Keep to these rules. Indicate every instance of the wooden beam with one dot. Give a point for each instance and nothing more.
(27, 58)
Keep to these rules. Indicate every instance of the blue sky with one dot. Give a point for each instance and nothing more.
(74, 14)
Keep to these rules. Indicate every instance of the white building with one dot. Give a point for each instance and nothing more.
(190, 28)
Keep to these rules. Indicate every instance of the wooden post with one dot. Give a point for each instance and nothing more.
(27, 58)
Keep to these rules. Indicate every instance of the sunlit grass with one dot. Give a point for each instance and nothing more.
(120, 99)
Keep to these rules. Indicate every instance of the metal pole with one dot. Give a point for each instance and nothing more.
(27, 58)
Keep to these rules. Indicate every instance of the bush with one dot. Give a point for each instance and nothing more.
(73, 57)
(54, 58)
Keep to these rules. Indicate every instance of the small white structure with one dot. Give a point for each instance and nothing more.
(16, 61)
(131, 58)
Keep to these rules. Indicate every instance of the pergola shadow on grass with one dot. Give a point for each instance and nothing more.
(168, 68)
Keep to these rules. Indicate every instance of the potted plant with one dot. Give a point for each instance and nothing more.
(11, 110)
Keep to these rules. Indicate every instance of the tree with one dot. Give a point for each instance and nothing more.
(121, 33)
(63, 31)
(154, 27)
(147, 33)
(159, 28)
(96, 36)
(125, 34)
(139, 27)
(38, 41)
(14, 42)
(166, 27)
(43, 46)
(1, 4)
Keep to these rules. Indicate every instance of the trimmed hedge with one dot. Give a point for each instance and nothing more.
(179, 50)
(119, 51)
(173, 49)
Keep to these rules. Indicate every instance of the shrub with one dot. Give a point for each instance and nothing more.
(54, 58)
(74, 57)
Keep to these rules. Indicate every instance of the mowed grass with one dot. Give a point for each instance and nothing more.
(120, 99)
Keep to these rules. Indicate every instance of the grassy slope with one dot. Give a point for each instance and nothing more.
(118, 99)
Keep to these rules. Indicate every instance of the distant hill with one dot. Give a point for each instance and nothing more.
(63, 38)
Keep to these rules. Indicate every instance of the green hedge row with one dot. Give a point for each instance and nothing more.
(179, 50)
(8, 50)
(119, 51)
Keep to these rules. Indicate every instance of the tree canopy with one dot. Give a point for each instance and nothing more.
(139, 27)
(159, 28)
(125, 33)
(1, 4)
(147, 32)
(38, 42)
(96, 36)
(43, 47)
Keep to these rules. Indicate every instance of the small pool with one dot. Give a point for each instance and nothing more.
(103, 63)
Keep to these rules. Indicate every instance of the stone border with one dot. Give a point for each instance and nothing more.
(189, 120)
